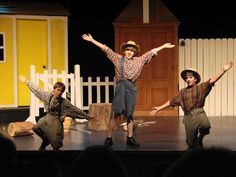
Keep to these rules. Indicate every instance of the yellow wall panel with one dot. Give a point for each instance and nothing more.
(32, 49)
(58, 44)
(7, 67)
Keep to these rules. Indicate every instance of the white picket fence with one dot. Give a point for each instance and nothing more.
(82, 93)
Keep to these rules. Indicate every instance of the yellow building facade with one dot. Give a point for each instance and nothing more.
(40, 40)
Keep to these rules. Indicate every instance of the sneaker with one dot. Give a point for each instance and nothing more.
(131, 142)
(108, 142)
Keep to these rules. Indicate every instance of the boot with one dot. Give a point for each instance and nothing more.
(131, 142)
(108, 142)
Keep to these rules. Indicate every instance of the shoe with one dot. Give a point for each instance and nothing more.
(131, 142)
(44, 144)
(108, 142)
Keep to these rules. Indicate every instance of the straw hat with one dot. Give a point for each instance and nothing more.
(132, 44)
(191, 70)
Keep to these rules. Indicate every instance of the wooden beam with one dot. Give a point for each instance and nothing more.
(145, 11)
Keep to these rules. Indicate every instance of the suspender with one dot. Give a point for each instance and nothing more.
(122, 61)
(50, 99)
(196, 99)
(60, 103)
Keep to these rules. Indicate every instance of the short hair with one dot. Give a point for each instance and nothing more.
(59, 85)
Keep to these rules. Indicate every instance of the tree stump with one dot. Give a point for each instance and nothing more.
(102, 113)
(20, 128)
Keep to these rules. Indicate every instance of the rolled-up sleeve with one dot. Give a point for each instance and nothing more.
(42, 95)
(176, 100)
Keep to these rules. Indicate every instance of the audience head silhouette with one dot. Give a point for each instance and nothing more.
(202, 162)
(97, 161)
(8, 151)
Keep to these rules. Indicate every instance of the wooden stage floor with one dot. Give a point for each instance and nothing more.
(158, 134)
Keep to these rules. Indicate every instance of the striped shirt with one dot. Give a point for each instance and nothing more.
(191, 98)
(132, 67)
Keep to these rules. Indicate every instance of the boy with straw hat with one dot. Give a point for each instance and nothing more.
(127, 70)
(192, 100)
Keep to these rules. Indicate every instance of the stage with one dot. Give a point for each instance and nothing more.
(154, 134)
(162, 140)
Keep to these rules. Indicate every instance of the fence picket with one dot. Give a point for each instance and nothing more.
(74, 86)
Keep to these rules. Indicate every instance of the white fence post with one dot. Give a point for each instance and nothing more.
(98, 84)
(78, 87)
(106, 89)
(32, 97)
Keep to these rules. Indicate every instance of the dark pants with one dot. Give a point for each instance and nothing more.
(197, 125)
(51, 129)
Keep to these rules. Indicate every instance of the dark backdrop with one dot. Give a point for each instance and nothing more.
(198, 19)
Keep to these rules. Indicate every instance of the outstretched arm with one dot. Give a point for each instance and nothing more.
(42, 95)
(73, 111)
(89, 37)
(155, 110)
(226, 67)
(166, 45)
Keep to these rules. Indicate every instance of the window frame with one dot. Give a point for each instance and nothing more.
(3, 48)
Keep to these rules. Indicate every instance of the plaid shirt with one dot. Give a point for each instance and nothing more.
(67, 109)
(132, 67)
(190, 98)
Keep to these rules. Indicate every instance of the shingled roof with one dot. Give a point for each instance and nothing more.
(33, 8)
(158, 13)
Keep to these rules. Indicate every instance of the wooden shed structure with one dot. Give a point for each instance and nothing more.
(150, 24)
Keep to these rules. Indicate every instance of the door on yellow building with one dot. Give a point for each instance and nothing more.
(32, 49)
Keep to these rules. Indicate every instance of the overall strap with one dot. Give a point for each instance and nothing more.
(50, 99)
(59, 106)
(59, 112)
(182, 99)
(122, 61)
(196, 103)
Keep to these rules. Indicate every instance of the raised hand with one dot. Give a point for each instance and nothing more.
(87, 37)
(154, 111)
(227, 65)
(168, 45)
